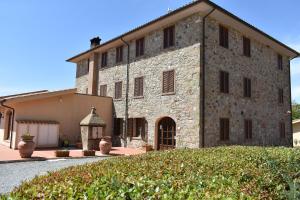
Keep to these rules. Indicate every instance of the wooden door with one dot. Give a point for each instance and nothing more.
(166, 134)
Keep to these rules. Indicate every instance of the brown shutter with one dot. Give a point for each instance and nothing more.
(221, 129)
(226, 82)
(169, 81)
(246, 46)
(282, 129)
(136, 87)
(118, 90)
(165, 82)
(279, 61)
(227, 129)
(250, 129)
(141, 87)
(166, 38)
(130, 128)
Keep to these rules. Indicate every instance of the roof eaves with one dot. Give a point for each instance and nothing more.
(138, 28)
(183, 8)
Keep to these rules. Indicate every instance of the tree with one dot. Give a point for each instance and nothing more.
(295, 110)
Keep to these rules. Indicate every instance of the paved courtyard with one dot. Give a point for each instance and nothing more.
(12, 174)
(8, 155)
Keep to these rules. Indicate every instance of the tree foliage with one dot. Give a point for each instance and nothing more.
(295, 110)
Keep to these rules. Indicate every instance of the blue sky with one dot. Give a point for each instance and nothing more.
(37, 37)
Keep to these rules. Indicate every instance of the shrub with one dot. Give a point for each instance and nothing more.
(215, 173)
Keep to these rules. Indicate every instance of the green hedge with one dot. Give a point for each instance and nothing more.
(216, 173)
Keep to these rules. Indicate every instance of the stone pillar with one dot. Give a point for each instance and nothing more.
(93, 75)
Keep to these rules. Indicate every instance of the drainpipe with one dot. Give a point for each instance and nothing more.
(13, 120)
(202, 84)
(127, 90)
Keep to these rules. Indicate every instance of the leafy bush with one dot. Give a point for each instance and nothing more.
(215, 173)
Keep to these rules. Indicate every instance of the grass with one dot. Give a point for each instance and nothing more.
(215, 173)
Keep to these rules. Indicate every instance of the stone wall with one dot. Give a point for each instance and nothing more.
(82, 71)
(183, 107)
(263, 107)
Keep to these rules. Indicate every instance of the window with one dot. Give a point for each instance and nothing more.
(82, 68)
(224, 129)
(104, 59)
(118, 90)
(136, 127)
(119, 54)
(223, 36)
(139, 47)
(248, 128)
(168, 82)
(279, 62)
(139, 87)
(282, 129)
(224, 82)
(247, 87)
(169, 37)
(247, 46)
(103, 90)
(280, 96)
(118, 126)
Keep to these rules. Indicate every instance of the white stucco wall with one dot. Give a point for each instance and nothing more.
(296, 134)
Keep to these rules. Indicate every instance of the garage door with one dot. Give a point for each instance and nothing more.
(46, 135)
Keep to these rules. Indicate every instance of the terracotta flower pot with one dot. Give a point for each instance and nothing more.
(26, 146)
(105, 145)
(62, 153)
(88, 153)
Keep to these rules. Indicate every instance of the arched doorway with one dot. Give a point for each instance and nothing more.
(166, 134)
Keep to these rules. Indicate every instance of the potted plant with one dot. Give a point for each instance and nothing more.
(88, 153)
(62, 153)
(147, 147)
(26, 146)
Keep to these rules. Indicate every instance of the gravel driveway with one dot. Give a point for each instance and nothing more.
(12, 174)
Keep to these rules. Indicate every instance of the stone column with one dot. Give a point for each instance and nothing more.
(93, 75)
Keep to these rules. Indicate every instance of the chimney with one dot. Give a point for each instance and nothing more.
(95, 42)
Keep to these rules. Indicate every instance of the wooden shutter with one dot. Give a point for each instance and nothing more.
(224, 129)
(248, 129)
(104, 59)
(224, 82)
(247, 46)
(223, 36)
(118, 90)
(168, 81)
(169, 37)
(247, 87)
(130, 128)
(138, 87)
(139, 47)
(119, 54)
(280, 62)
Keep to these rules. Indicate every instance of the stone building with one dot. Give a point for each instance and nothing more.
(196, 77)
